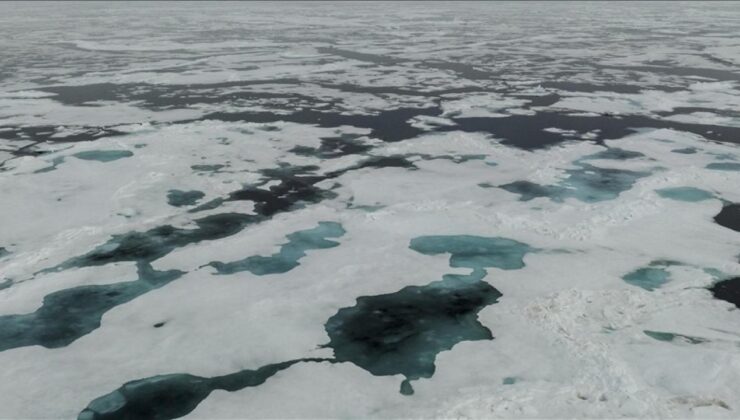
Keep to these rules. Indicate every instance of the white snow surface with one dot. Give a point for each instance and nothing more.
(568, 329)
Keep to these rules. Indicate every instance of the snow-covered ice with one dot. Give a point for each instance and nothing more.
(407, 210)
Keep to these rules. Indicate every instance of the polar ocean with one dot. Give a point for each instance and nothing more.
(369, 210)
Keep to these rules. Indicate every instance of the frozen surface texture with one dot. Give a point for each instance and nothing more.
(400, 210)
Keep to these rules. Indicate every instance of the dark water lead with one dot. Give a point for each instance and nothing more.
(613, 153)
(207, 168)
(688, 194)
(290, 253)
(466, 71)
(175, 395)
(334, 147)
(527, 131)
(729, 216)
(389, 125)
(398, 333)
(295, 186)
(103, 155)
(179, 198)
(402, 332)
(49, 133)
(69, 314)
(724, 166)
(145, 247)
(727, 290)
(668, 337)
(457, 158)
(609, 87)
(156, 97)
(587, 183)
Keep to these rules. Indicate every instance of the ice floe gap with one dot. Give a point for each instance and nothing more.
(402, 332)
(175, 395)
(724, 166)
(103, 155)
(68, 314)
(729, 216)
(290, 253)
(670, 337)
(157, 242)
(588, 183)
(434, 107)
(180, 198)
(461, 296)
(727, 290)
